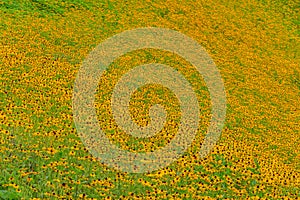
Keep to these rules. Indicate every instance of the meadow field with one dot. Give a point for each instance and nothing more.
(255, 45)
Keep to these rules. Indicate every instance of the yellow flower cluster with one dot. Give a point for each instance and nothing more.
(255, 45)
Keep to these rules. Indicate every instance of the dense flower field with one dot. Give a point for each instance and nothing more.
(255, 45)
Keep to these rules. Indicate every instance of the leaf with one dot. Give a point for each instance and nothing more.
(5, 194)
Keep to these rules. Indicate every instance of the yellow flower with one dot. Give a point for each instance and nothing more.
(82, 195)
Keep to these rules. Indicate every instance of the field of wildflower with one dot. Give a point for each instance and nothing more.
(255, 45)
